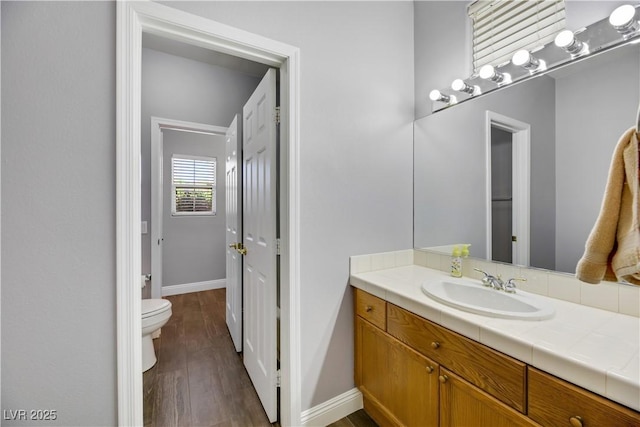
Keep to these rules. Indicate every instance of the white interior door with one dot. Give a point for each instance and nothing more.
(259, 231)
(233, 187)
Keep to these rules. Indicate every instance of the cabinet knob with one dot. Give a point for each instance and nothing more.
(429, 369)
(368, 308)
(435, 345)
(443, 379)
(575, 421)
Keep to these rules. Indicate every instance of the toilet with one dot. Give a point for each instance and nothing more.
(155, 314)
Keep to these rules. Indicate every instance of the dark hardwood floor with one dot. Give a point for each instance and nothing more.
(357, 419)
(199, 379)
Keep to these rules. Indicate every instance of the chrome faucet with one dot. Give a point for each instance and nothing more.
(489, 280)
(497, 283)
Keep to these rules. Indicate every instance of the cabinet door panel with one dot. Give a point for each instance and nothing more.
(414, 386)
(400, 386)
(464, 405)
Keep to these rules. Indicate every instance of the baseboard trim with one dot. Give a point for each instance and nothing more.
(333, 409)
(186, 288)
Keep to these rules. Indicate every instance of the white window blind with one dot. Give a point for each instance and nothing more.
(193, 182)
(502, 27)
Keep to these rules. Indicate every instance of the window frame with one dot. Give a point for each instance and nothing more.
(548, 16)
(213, 186)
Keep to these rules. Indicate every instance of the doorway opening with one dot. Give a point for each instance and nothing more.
(158, 174)
(508, 160)
(134, 18)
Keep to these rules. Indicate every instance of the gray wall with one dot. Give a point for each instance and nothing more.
(58, 211)
(594, 106)
(58, 106)
(442, 48)
(194, 247)
(450, 172)
(182, 89)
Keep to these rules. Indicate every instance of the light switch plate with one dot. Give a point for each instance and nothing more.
(143, 227)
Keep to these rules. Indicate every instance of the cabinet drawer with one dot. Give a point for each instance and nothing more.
(497, 374)
(371, 308)
(554, 402)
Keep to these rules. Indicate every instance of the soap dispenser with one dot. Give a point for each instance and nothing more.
(464, 253)
(456, 262)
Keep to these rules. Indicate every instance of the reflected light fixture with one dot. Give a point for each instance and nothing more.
(436, 95)
(462, 86)
(489, 72)
(567, 41)
(623, 20)
(524, 59)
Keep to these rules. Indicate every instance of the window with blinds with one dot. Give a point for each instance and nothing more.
(193, 182)
(502, 27)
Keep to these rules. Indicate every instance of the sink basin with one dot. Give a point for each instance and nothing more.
(479, 299)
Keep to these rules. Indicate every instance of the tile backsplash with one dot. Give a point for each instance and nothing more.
(610, 296)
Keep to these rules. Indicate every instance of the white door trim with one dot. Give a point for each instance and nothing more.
(521, 182)
(158, 124)
(132, 19)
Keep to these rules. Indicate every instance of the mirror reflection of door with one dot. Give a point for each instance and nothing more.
(502, 195)
(508, 151)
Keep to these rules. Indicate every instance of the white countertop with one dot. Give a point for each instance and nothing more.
(595, 349)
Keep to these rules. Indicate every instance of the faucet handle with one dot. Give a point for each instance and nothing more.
(510, 287)
(487, 279)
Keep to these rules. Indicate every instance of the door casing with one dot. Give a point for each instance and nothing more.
(134, 18)
(521, 183)
(159, 124)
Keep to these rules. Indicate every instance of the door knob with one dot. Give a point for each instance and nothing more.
(242, 251)
(233, 246)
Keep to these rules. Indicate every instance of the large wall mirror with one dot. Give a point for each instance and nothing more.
(519, 173)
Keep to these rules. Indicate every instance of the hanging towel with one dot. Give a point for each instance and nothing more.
(612, 250)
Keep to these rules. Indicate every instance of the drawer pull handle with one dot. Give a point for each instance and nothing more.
(429, 369)
(368, 308)
(443, 379)
(575, 421)
(435, 345)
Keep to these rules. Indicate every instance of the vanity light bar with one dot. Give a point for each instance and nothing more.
(622, 26)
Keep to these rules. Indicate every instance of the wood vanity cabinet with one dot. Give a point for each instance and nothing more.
(412, 372)
(398, 384)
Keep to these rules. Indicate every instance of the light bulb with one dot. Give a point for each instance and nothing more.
(622, 19)
(461, 86)
(524, 59)
(488, 72)
(436, 95)
(567, 41)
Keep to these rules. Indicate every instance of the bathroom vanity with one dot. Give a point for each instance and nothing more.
(422, 363)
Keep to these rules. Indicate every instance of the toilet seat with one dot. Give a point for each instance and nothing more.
(154, 306)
